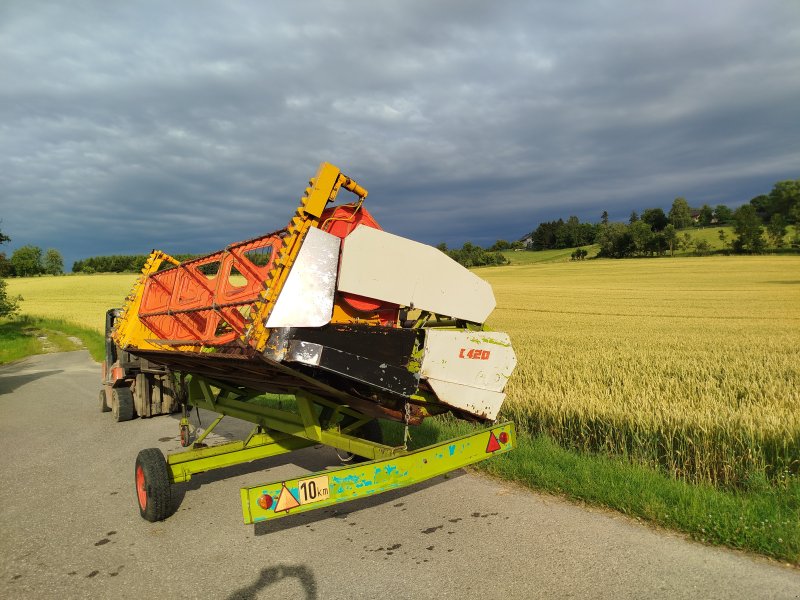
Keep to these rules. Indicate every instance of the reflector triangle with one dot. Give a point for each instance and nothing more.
(287, 500)
(493, 444)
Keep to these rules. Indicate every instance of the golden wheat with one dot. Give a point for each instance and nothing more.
(690, 364)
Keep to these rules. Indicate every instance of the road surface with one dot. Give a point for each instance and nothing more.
(70, 528)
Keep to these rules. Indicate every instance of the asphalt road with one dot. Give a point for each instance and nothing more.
(70, 528)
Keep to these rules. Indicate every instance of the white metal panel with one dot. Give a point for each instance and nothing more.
(483, 403)
(306, 299)
(387, 267)
(482, 359)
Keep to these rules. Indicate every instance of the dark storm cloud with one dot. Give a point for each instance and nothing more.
(187, 125)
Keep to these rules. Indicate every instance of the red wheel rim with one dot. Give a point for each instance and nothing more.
(141, 492)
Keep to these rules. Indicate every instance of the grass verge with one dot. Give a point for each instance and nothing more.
(763, 518)
(26, 336)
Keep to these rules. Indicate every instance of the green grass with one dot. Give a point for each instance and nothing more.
(529, 257)
(761, 518)
(710, 234)
(21, 337)
(16, 342)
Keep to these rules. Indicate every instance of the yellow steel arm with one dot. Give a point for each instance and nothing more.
(323, 189)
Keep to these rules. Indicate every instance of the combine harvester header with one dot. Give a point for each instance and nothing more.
(355, 323)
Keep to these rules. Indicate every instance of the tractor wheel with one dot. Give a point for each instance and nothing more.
(152, 485)
(370, 431)
(122, 404)
(104, 407)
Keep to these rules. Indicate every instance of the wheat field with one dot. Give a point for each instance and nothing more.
(692, 365)
(688, 364)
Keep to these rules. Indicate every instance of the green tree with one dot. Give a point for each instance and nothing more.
(615, 240)
(785, 195)
(499, 245)
(706, 215)
(776, 230)
(686, 241)
(641, 234)
(8, 306)
(748, 229)
(680, 215)
(633, 218)
(6, 268)
(27, 261)
(671, 238)
(656, 218)
(702, 248)
(723, 237)
(796, 218)
(723, 214)
(762, 205)
(604, 218)
(53, 262)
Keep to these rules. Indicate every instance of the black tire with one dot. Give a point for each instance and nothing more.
(370, 431)
(151, 481)
(104, 407)
(122, 404)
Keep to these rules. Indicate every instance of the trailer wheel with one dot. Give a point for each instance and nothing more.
(370, 431)
(104, 407)
(152, 485)
(122, 404)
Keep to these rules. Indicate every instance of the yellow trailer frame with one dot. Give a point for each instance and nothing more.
(315, 421)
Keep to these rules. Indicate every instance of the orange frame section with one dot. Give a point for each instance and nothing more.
(186, 304)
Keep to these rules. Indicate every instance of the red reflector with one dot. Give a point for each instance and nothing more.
(265, 501)
(493, 445)
(503, 437)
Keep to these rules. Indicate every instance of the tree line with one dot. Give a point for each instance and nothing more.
(119, 263)
(470, 255)
(29, 260)
(654, 232)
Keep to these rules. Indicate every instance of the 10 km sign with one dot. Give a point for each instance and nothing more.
(474, 354)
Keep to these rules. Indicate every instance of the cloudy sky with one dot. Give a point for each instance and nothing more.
(183, 126)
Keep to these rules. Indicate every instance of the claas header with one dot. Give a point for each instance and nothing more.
(332, 304)
(353, 322)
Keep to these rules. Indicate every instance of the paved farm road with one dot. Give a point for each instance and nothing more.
(69, 527)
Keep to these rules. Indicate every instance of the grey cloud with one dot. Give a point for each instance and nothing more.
(188, 125)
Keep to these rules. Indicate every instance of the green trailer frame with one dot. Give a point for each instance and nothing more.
(280, 430)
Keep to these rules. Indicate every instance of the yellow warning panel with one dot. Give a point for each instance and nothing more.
(314, 489)
(286, 500)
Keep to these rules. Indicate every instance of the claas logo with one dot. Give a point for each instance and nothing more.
(474, 354)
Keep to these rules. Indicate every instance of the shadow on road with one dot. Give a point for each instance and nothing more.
(9, 383)
(272, 575)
